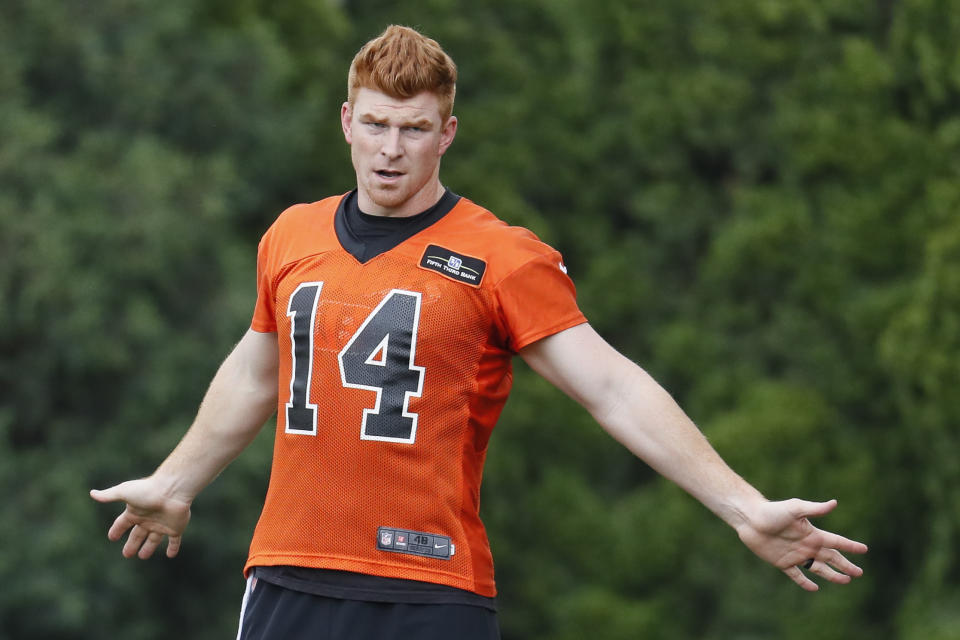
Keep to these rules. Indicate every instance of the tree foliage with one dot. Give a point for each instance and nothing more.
(758, 202)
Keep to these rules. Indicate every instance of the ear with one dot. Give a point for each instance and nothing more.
(346, 121)
(448, 133)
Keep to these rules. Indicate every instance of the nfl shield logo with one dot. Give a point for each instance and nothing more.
(386, 538)
(454, 262)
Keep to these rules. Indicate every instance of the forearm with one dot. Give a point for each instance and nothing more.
(241, 397)
(643, 417)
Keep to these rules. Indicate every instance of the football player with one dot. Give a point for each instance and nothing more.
(383, 333)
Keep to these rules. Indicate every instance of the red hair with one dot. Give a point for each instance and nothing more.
(402, 63)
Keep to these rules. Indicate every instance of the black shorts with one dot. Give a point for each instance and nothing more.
(271, 612)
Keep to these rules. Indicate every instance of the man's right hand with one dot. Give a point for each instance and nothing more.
(151, 514)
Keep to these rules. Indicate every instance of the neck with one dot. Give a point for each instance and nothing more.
(428, 196)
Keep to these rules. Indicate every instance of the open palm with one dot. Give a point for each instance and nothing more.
(150, 515)
(782, 534)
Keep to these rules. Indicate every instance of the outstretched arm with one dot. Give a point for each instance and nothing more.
(633, 408)
(241, 397)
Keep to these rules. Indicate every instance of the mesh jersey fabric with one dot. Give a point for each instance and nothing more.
(403, 368)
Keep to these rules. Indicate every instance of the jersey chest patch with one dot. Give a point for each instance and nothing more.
(453, 265)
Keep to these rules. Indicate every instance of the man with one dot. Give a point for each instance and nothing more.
(383, 332)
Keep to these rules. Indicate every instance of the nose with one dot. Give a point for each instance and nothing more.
(391, 146)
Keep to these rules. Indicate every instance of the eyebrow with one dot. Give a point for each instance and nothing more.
(422, 123)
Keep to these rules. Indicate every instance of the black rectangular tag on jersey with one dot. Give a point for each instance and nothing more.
(453, 265)
(418, 543)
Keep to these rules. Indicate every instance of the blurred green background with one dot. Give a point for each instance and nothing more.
(758, 202)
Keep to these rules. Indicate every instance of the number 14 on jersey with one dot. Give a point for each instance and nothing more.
(379, 357)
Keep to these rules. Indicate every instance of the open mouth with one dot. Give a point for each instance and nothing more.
(389, 174)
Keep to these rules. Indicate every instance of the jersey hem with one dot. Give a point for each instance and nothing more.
(344, 586)
(371, 568)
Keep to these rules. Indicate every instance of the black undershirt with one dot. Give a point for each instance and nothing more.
(347, 585)
(366, 236)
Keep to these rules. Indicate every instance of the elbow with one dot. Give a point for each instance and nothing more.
(613, 390)
(263, 395)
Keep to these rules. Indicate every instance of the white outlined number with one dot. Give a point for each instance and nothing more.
(378, 357)
(302, 311)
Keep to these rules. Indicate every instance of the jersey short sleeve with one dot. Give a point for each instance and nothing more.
(263, 312)
(537, 300)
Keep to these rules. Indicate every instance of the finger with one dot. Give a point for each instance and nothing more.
(841, 564)
(134, 541)
(173, 546)
(120, 526)
(808, 509)
(827, 572)
(150, 545)
(105, 495)
(834, 541)
(805, 583)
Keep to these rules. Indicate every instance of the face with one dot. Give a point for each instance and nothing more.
(396, 146)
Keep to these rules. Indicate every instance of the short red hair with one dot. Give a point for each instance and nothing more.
(401, 62)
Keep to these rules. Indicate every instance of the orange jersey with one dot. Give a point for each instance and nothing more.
(393, 373)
